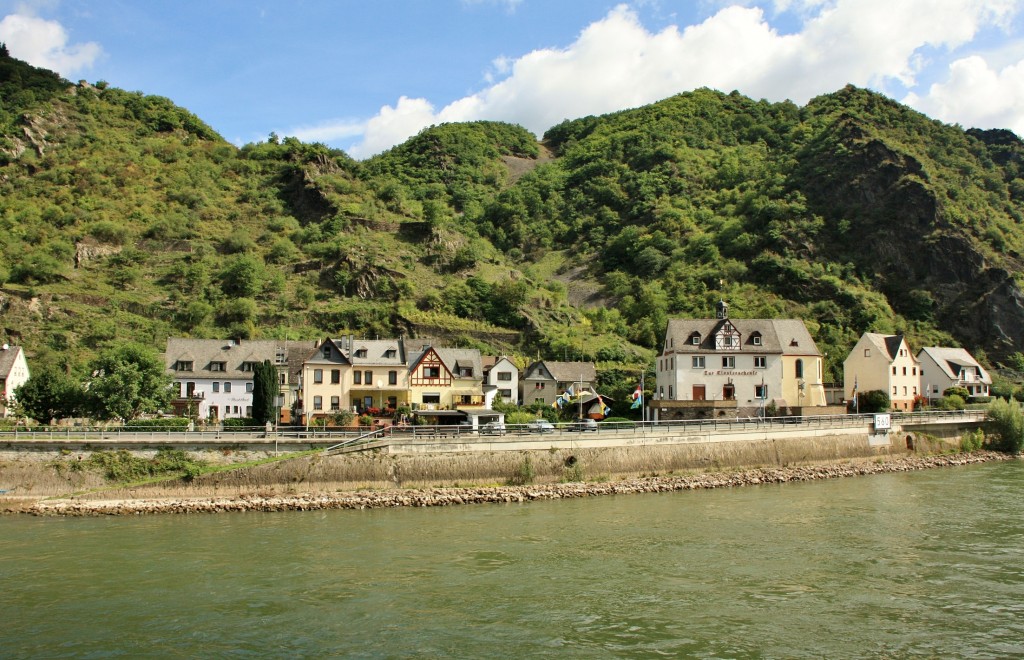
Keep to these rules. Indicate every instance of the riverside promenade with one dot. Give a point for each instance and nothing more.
(900, 429)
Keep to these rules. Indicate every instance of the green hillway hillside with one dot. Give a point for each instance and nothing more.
(123, 216)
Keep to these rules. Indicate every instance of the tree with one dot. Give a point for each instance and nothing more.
(873, 401)
(265, 389)
(48, 395)
(1006, 424)
(128, 380)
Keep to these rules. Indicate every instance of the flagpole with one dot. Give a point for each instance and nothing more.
(643, 407)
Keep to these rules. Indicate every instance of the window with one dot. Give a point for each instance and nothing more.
(466, 372)
(431, 372)
(335, 376)
(756, 339)
(894, 390)
(760, 361)
(280, 357)
(318, 403)
(390, 353)
(670, 392)
(867, 352)
(216, 387)
(283, 378)
(248, 366)
(661, 391)
(904, 390)
(698, 361)
(248, 387)
(728, 362)
(913, 371)
(695, 339)
(904, 371)
(915, 390)
(368, 377)
(799, 368)
(357, 377)
(506, 395)
(432, 398)
(335, 403)
(538, 400)
(760, 391)
(190, 390)
(894, 370)
(248, 411)
(361, 353)
(318, 376)
(505, 375)
(183, 365)
(218, 366)
(392, 377)
(227, 388)
(327, 352)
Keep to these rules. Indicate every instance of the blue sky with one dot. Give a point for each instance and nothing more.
(365, 75)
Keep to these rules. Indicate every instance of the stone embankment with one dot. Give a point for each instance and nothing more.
(501, 494)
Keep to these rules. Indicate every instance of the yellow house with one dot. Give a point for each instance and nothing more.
(325, 375)
(446, 379)
(886, 363)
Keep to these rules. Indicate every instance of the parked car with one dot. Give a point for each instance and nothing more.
(493, 428)
(540, 426)
(585, 424)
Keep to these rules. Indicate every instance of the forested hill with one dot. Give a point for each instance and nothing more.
(123, 216)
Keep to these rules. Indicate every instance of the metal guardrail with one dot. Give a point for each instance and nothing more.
(364, 436)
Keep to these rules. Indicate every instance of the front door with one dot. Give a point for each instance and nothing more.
(698, 393)
(728, 392)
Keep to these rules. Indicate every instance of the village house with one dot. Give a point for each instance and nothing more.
(362, 376)
(886, 363)
(943, 368)
(725, 367)
(446, 378)
(544, 380)
(13, 374)
(502, 374)
(213, 378)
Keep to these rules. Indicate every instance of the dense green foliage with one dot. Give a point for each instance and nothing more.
(873, 401)
(124, 467)
(128, 380)
(265, 388)
(124, 216)
(49, 394)
(1006, 425)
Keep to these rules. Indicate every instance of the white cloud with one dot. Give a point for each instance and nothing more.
(975, 95)
(616, 63)
(328, 131)
(44, 43)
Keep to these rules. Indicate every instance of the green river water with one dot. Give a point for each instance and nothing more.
(924, 564)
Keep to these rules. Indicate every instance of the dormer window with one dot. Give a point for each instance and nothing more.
(466, 372)
(249, 366)
(183, 365)
(328, 353)
(361, 353)
(218, 366)
(755, 339)
(695, 339)
(390, 353)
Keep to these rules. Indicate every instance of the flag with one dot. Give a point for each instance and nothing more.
(559, 402)
(604, 410)
(638, 398)
(854, 390)
(569, 393)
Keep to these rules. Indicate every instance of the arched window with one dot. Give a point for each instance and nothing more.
(799, 368)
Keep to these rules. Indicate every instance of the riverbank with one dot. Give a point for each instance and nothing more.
(372, 499)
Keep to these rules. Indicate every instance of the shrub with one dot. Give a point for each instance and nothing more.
(1006, 424)
(873, 401)
(972, 440)
(164, 424)
(123, 466)
(573, 474)
(961, 392)
(951, 402)
(237, 422)
(524, 473)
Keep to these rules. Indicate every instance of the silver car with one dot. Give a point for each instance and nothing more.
(540, 426)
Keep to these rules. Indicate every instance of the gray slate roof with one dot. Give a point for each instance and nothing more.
(203, 352)
(7, 359)
(781, 336)
(562, 372)
(951, 359)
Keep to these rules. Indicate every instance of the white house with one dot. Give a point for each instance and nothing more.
(503, 374)
(749, 364)
(13, 374)
(214, 377)
(943, 368)
(886, 363)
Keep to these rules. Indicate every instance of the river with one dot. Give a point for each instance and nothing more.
(927, 563)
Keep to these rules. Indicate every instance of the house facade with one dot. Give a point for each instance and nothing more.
(326, 372)
(886, 363)
(214, 377)
(502, 374)
(544, 380)
(943, 368)
(446, 379)
(737, 367)
(13, 374)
